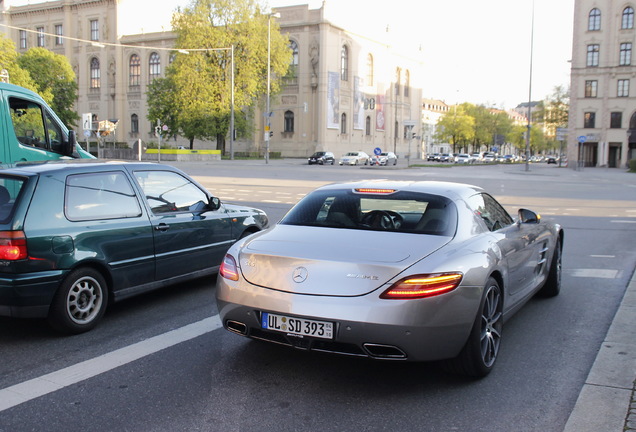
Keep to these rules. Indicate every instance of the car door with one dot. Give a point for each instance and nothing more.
(516, 243)
(189, 237)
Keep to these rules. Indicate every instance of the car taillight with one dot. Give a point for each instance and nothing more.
(229, 269)
(12, 245)
(422, 286)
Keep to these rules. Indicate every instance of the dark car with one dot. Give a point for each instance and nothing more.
(321, 158)
(551, 159)
(76, 236)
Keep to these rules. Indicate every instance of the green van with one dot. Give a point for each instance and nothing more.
(31, 131)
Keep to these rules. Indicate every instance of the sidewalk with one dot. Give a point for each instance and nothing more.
(607, 401)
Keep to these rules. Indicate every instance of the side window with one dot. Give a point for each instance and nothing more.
(168, 192)
(103, 195)
(28, 122)
(491, 212)
(56, 135)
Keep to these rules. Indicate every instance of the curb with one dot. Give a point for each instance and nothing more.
(607, 401)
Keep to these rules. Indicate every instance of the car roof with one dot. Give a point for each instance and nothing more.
(39, 167)
(451, 190)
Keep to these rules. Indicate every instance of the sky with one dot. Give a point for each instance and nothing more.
(472, 51)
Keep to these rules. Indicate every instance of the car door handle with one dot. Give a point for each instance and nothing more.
(162, 227)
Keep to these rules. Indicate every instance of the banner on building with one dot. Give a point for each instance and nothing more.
(379, 113)
(358, 104)
(333, 94)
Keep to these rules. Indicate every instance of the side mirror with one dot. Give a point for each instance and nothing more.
(214, 203)
(68, 146)
(528, 216)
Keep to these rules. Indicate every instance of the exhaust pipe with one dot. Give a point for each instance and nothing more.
(236, 327)
(384, 351)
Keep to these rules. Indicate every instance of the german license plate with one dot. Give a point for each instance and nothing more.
(297, 326)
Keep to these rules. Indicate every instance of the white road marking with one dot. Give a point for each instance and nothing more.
(595, 273)
(623, 221)
(28, 390)
(603, 256)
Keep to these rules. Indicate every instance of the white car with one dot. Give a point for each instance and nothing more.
(463, 158)
(354, 158)
(384, 159)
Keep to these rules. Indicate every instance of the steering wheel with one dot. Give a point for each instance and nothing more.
(385, 219)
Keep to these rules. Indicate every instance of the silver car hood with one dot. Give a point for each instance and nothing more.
(331, 261)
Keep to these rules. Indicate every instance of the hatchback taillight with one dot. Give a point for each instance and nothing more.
(422, 286)
(229, 269)
(13, 245)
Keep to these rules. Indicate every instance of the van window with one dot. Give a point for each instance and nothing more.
(104, 195)
(28, 123)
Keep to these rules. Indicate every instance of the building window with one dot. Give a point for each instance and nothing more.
(369, 70)
(591, 88)
(59, 32)
(40, 37)
(622, 89)
(343, 123)
(134, 71)
(134, 123)
(628, 18)
(625, 58)
(23, 39)
(592, 54)
(594, 20)
(407, 83)
(398, 78)
(94, 30)
(292, 73)
(289, 122)
(344, 63)
(616, 120)
(367, 126)
(589, 120)
(154, 66)
(95, 74)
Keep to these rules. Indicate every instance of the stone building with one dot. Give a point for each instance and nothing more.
(602, 119)
(347, 92)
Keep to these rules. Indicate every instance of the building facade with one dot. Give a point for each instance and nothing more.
(602, 118)
(346, 92)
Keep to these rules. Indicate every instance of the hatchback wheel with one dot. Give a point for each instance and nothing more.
(80, 302)
(478, 356)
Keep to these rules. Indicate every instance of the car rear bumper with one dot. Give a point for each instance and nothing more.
(28, 295)
(366, 326)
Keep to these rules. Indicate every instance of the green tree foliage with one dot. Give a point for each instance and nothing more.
(9, 61)
(54, 80)
(553, 112)
(490, 125)
(457, 127)
(197, 89)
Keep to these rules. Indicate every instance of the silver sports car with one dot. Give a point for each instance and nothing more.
(413, 271)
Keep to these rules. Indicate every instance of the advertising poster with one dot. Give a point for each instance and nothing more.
(379, 113)
(333, 93)
(358, 104)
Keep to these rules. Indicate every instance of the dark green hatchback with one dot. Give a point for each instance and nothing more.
(78, 235)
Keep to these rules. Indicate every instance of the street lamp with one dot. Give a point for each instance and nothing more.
(268, 114)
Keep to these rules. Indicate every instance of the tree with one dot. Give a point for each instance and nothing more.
(553, 112)
(456, 127)
(9, 61)
(54, 79)
(199, 81)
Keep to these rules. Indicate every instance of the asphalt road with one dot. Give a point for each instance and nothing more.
(159, 362)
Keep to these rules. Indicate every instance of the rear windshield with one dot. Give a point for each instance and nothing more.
(401, 211)
(10, 188)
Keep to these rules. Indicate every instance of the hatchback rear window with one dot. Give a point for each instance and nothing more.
(9, 192)
(400, 211)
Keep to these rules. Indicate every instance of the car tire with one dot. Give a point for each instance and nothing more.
(552, 286)
(332, 162)
(479, 354)
(80, 301)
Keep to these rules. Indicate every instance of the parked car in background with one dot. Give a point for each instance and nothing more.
(354, 158)
(321, 158)
(78, 235)
(551, 159)
(489, 157)
(384, 159)
(389, 270)
(476, 157)
(433, 157)
(463, 158)
(445, 157)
